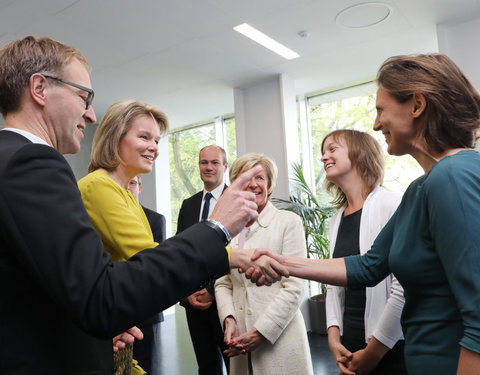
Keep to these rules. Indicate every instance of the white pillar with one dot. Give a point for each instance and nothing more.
(459, 41)
(266, 122)
(156, 186)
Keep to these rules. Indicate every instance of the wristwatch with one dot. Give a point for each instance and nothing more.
(220, 229)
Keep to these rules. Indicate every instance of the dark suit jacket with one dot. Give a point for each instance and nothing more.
(189, 212)
(61, 301)
(158, 226)
(188, 216)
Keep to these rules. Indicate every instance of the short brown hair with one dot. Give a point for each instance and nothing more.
(116, 122)
(452, 116)
(248, 161)
(366, 157)
(22, 58)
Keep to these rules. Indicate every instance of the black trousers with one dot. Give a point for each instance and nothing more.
(393, 363)
(207, 339)
(142, 349)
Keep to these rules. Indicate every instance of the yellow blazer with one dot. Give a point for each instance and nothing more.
(116, 216)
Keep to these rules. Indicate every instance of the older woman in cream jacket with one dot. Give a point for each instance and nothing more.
(263, 327)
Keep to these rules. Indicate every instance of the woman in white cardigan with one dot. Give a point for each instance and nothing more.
(364, 331)
(263, 327)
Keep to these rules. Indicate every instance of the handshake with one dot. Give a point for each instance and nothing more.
(235, 210)
(261, 266)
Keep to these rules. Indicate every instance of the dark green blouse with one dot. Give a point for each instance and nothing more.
(432, 245)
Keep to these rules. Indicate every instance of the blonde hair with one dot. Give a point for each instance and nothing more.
(365, 155)
(248, 161)
(114, 125)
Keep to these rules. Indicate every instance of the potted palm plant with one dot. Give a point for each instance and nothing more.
(305, 204)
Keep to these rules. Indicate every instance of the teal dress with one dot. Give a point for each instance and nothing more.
(432, 246)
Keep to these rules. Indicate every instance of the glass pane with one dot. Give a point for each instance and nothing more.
(231, 147)
(299, 132)
(184, 176)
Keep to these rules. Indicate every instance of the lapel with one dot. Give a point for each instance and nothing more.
(263, 221)
(197, 203)
(192, 211)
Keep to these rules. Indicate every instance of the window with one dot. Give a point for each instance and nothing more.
(184, 145)
(352, 108)
(231, 139)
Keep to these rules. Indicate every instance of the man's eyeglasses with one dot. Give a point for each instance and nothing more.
(91, 94)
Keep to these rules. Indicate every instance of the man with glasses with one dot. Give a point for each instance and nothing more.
(90, 94)
(62, 300)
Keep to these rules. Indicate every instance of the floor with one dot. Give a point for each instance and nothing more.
(177, 357)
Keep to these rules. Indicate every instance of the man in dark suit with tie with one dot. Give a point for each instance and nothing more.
(146, 350)
(62, 300)
(200, 308)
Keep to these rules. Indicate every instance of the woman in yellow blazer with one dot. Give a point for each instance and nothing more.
(263, 327)
(124, 146)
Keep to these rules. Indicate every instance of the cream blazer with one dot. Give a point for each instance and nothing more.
(272, 311)
(384, 302)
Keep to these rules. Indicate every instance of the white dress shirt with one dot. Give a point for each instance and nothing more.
(216, 194)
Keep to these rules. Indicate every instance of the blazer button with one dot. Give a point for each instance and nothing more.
(249, 311)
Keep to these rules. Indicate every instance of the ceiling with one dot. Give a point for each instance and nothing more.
(184, 56)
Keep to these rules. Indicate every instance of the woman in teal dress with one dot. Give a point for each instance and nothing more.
(427, 108)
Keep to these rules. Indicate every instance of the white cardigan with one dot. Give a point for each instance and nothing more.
(273, 310)
(384, 302)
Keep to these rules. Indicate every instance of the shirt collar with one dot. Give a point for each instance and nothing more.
(265, 217)
(217, 192)
(31, 137)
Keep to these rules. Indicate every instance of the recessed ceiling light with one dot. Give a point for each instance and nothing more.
(266, 41)
(363, 15)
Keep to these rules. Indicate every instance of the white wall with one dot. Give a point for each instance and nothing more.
(266, 122)
(461, 42)
(79, 162)
(160, 186)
